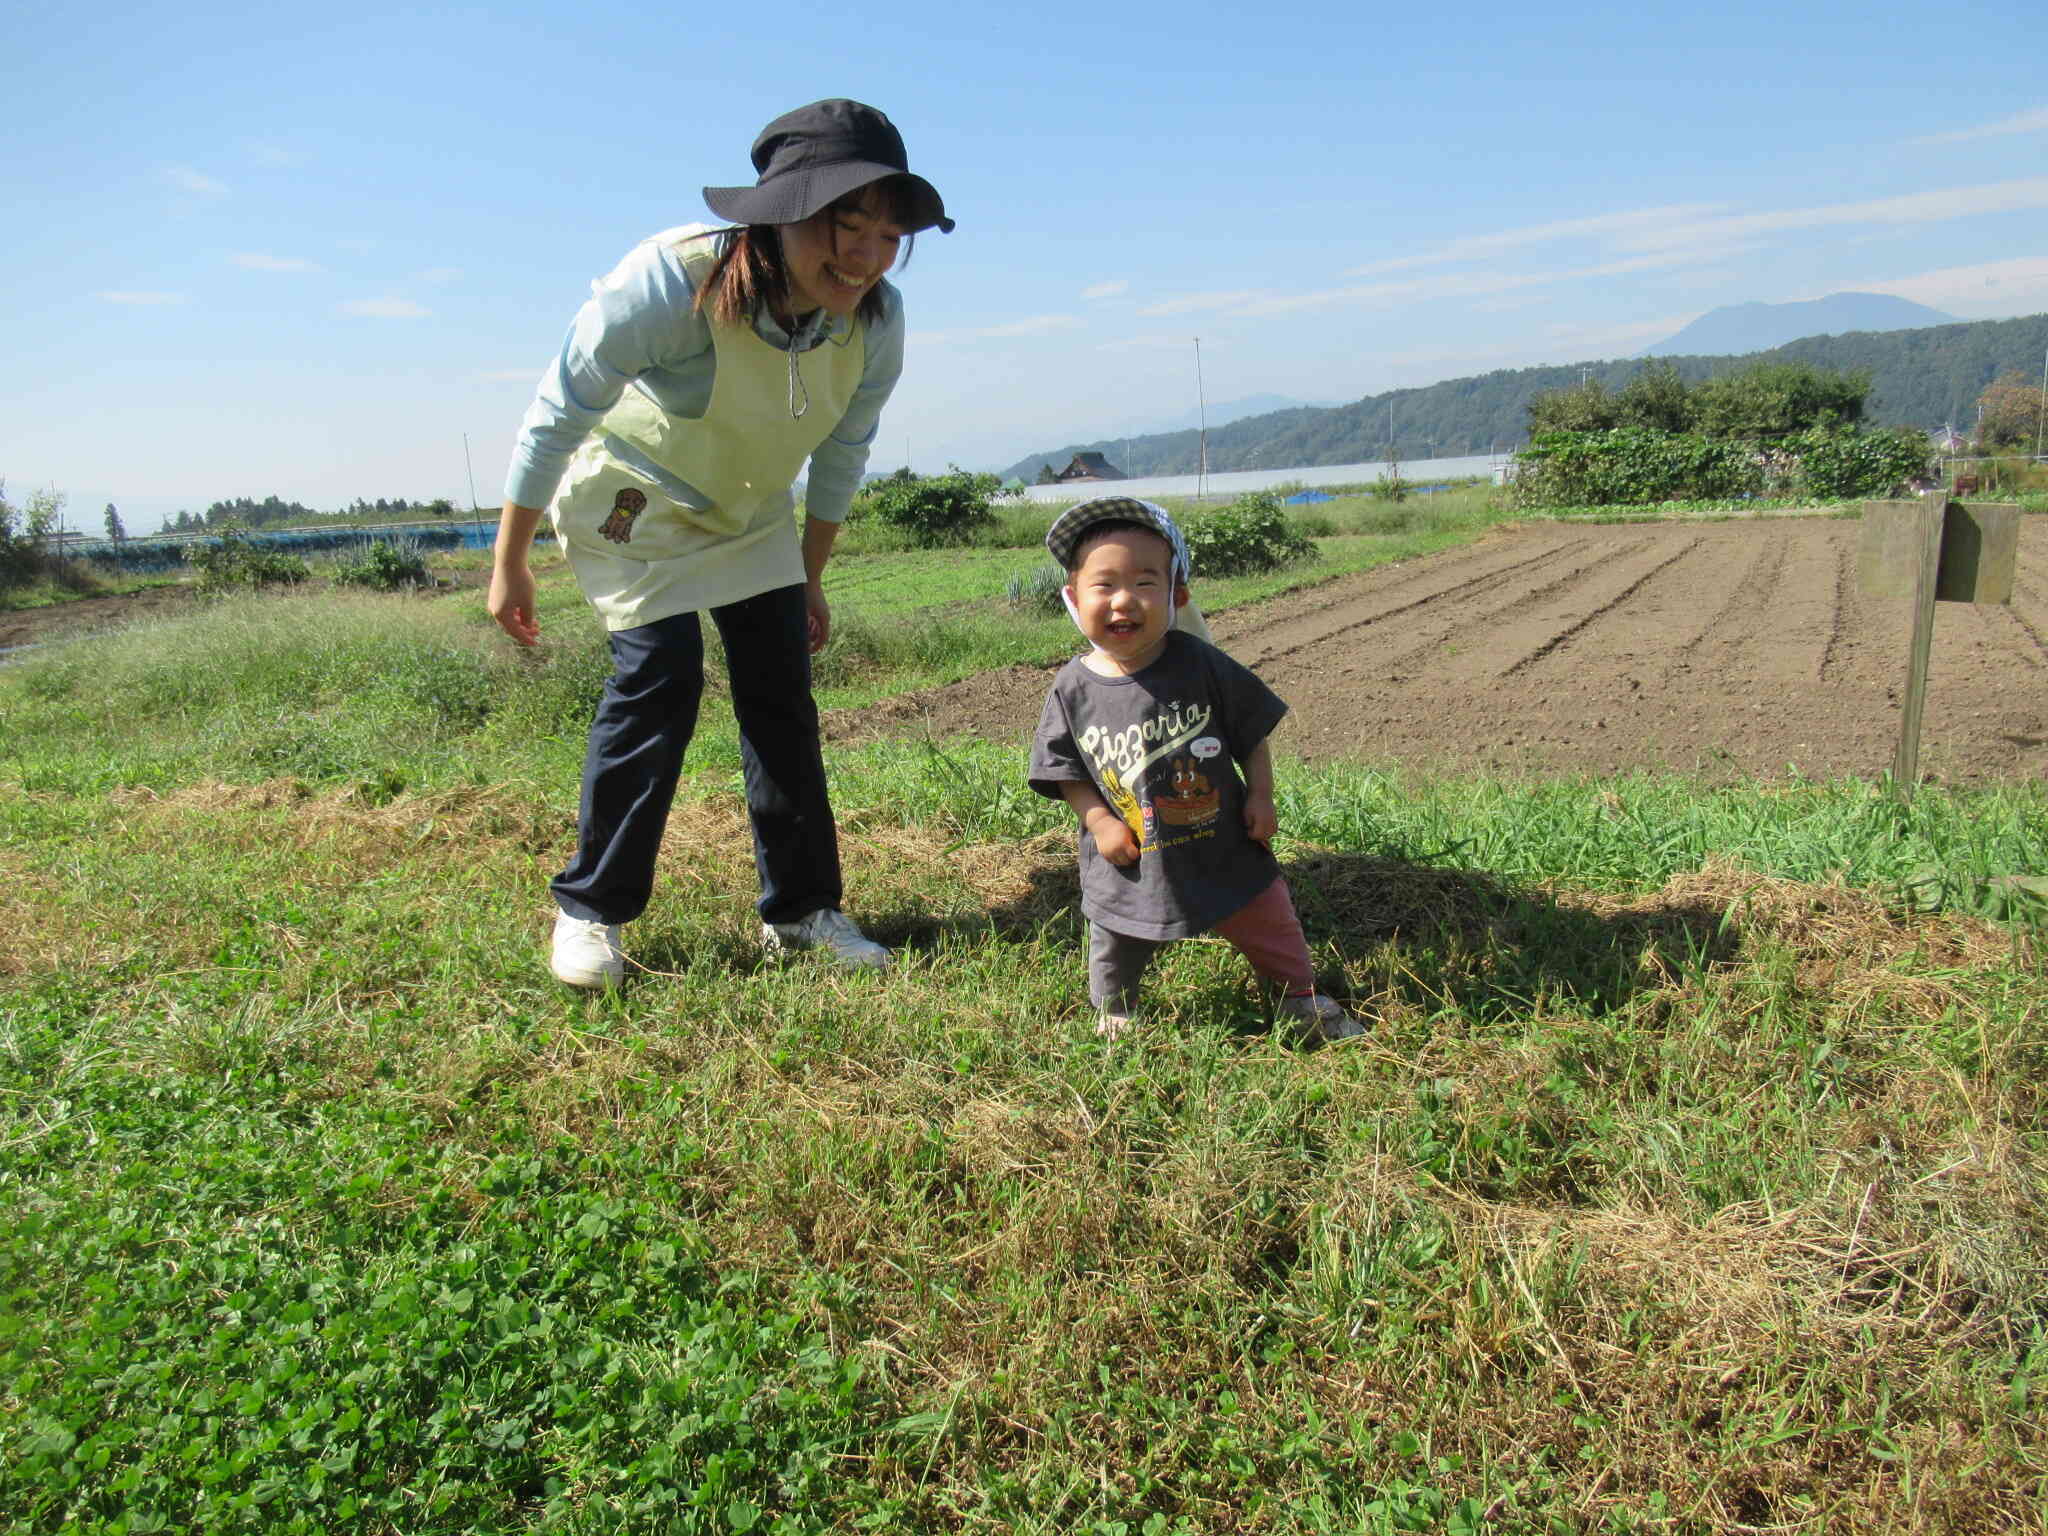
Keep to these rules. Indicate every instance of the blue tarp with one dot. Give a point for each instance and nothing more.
(1299, 498)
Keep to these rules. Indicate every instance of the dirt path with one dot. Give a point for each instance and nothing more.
(34, 626)
(1729, 649)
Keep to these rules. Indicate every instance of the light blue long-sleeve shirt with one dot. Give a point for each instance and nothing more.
(638, 330)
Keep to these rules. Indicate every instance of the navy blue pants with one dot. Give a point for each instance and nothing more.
(644, 723)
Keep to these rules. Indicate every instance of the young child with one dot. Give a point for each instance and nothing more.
(1143, 737)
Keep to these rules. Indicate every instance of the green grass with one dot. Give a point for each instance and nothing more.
(78, 580)
(908, 619)
(1691, 1178)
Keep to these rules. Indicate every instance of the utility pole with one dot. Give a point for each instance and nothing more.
(476, 512)
(1202, 406)
(2041, 417)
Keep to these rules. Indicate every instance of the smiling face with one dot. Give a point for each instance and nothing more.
(834, 258)
(1124, 595)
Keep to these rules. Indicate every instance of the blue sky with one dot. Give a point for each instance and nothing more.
(306, 249)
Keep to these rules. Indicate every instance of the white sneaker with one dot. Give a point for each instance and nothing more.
(1318, 1019)
(828, 929)
(586, 954)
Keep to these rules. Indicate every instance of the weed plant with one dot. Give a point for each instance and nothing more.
(235, 560)
(386, 565)
(1690, 1179)
(56, 581)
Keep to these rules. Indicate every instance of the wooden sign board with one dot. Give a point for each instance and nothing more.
(1980, 544)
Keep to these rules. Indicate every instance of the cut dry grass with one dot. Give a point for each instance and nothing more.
(1724, 1214)
(1690, 1178)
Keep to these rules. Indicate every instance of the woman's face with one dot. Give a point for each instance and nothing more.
(833, 258)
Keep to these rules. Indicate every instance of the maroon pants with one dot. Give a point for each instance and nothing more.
(1265, 930)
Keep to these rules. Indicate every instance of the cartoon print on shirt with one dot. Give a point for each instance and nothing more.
(1125, 804)
(1191, 799)
(1121, 761)
(626, 506)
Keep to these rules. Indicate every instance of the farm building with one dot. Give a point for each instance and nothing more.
(1088, 466)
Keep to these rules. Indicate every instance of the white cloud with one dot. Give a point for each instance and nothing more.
(1441, 285)
(1105, 290)
(135, 296)
(1936, 207)
(511, 376)
(1151, 341)
(386, 309)
(438, 275)
(193, 183)
(1199, 303)
(1472, 247)
(1992, 288)
(1681, 233)
(263, 261)
(275, 156)
(1032, 325)
(2034, 120)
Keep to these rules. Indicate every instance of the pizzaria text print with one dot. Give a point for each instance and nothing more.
(1130, 749)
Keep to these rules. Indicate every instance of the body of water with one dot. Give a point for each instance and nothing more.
(1226, 487)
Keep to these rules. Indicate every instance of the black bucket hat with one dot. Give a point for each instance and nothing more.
(816, 155)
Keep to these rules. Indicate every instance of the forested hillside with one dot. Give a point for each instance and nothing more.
(1926, 377)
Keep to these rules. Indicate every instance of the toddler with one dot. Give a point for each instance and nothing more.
(1144, 737)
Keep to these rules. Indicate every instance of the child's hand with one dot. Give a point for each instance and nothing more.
(1113, 840)
(1261, 820)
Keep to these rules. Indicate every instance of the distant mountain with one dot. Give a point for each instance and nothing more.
(1926, 376)
(1737, 328)
(1220, 414)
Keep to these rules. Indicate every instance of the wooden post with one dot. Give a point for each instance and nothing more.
(1956, 553)
(1927, 571)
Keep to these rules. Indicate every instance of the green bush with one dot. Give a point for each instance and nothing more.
(233, 561)
(388, 565)
(1840, 463)
(24, 535)
(1629, 465)
(934, 510)
(1768, 400)
(1248, 536)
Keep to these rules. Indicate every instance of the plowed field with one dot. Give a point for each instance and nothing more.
(1726, 649)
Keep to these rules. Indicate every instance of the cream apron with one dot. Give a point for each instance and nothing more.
(639, 554)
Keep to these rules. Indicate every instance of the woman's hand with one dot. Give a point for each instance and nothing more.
(819, 537)
(818, 616)
(511, 601)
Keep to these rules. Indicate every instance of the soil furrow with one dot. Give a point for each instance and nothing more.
(1339, 617)
(1607, 603)
(1741, 649)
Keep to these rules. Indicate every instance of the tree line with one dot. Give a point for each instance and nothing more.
(1928, 378)
(275, 512)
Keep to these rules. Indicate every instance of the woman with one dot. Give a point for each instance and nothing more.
(703, 372)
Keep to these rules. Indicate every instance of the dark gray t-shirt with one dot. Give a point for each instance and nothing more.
(1162, 748)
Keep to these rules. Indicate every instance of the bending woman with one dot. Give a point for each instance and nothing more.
(693, 386)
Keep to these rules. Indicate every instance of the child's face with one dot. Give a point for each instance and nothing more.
(1123, 592)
